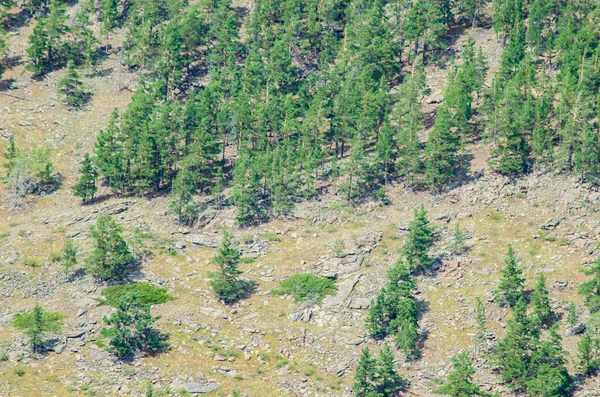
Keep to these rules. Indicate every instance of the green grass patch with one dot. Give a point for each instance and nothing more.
(305, 287)
(147, 293)
(270, 236)
(495, 216)
(33, 262)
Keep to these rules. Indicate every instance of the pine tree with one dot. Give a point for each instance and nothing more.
(364, 376)
(510, 289)
(111, 257)
(389, 381)
(377, 377)
(395, 312)
(86, 185)
(45, 43)
(72, 88)
(591, 289)
(442, 160)
(418, 242)
(36, 323)
(540, 302)
(514, 352)
(226, 282)
(131, 329)
(588, 351)
(460, 380)
(551, 375)
(69, 257)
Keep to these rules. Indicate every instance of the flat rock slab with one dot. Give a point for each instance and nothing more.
(200, 388)
(345, 288)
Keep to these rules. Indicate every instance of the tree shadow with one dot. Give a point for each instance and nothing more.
(16, 21)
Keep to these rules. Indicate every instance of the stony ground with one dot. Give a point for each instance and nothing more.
(264, 345)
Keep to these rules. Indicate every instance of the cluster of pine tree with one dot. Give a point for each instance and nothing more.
(308, 86)
(318, 92)
(395, 311)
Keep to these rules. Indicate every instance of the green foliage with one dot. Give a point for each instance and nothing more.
(540, 302)
(111, 258)
(69, 255)
(395, 312)
(377, 377)
(458, 240)
(418, 242)
(36, 323)
(147, 294)
(510, 288)
(528, 363)
(591, 289)
(19, 371)
(86, 185)
(72, 88)
(306, 287)
(131, 329)
(226, 281)
(46, 49)
(460, 380)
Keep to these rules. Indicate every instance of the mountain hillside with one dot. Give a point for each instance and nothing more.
(247, 198)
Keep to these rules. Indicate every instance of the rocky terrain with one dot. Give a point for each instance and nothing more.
(265, 345)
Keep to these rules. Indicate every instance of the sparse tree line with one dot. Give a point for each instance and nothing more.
(529, 358)
(130, 327)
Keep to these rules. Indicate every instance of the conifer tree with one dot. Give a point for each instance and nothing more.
(460, 381)
(364, 383)
(377, 377)
(86, 185)
(514, 352)
(110, 14)
(510, 289)
(418, 242)
(588, 350)
(131, 329)
(540, 302)
(551, 377)
(69, 257)
(226, 281)
(36, 323)
(394, 311)
(442, 161)
(591, 289)
(111, 257)
(45, 43)
(390, 382)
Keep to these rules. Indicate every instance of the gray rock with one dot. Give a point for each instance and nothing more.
(354, 341)
(214, 313)
(360, 303)
(75, 333)
(345, 288)
(577, 329)
(551, 225)
(206, 240)
(200, 388)
(338, 369)
(97, 355)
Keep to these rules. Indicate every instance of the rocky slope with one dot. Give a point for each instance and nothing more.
(264, 345)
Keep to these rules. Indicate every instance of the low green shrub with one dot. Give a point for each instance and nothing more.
(147, 294)
(305, 287)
